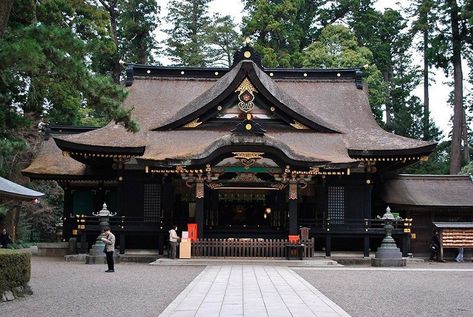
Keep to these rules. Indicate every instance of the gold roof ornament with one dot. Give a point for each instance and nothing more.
(246, 95)
(246, 85)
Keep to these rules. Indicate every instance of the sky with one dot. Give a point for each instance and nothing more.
(438, 93)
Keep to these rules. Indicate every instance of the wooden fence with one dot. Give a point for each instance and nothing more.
(269, 248)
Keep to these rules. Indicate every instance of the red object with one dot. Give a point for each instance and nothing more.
(192, 229)
(294, 238)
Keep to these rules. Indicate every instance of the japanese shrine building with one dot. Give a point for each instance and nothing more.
(243, 152)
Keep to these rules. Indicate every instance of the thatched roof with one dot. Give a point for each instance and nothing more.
(341, 126)
(429, 190)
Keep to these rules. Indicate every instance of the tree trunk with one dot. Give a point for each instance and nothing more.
(5, 9)
(142, 54)
(116, 68)
(466, 143)
(426, 118)
(387, 102)
(11, 220)
(455, 161)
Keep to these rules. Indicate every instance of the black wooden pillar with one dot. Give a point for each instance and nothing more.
(67, 225)
(293, 208)
(328, 239)
(122, 242)
(366, 246)
(328, 245)
(161, 243)
(199, 207)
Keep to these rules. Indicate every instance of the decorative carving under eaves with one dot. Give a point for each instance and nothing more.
(248, 159)
(247, 178)
(293, 190)
(214, 185)
(299, 126)
(193, 124)
(279, 186)
(199, 189)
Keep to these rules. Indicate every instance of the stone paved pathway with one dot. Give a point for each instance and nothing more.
(243, 290)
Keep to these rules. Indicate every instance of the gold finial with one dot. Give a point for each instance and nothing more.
(247, 41)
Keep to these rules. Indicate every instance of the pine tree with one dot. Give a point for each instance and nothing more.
(131, 25)
(187, 42)
(223, 40)
(281, 29)
(137, 21)
(49, 50)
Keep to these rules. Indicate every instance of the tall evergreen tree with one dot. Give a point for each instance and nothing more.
(422, 12)
(131, 26)
(458, 111)
(111, 6)
(223, 40)
(187, 42)
(5, 10)
(281, 29)
(137, 21)
(337, 47)
(450, 43)
(48, 51)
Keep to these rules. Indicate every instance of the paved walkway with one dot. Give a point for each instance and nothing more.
(242, 290)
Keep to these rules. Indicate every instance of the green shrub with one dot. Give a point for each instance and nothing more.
(15, 269)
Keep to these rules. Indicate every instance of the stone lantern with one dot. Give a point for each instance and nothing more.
(104, 216)
(96, 254)
(388, 254)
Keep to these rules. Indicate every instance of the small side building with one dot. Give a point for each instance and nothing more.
(427, 199)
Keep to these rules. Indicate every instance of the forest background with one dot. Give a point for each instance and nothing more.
(62, 62)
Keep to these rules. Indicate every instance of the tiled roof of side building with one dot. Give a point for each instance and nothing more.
(12, 190)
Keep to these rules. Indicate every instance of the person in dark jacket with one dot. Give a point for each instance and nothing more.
(435, 246)
(4, 238)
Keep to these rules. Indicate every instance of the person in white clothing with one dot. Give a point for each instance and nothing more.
(173, 242)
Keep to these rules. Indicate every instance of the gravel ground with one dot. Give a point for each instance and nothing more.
(75, 289)
(361, 291)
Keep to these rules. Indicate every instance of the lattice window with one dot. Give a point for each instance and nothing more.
(152, 202)
(336, 204)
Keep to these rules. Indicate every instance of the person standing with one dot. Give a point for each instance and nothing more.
(173, 242)
(459, 257)
(4, 239)
(109, 240)
(435, 246)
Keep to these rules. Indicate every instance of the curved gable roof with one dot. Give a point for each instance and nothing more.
(263, 83)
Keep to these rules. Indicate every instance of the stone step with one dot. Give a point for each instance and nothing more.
(247, 261)
(367, 261)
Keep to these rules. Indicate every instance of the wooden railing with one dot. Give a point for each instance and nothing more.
(269, 248)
